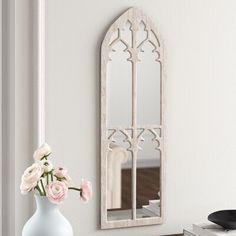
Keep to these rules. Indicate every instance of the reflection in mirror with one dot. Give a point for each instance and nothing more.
(148, 176)
(119, 88)
(132, 130)
(118, 195)
(148, 86)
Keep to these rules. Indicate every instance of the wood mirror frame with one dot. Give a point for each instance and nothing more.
(134, 16)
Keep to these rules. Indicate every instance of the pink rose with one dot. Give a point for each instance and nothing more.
(60, 172)
(86, 190)
(56, 192)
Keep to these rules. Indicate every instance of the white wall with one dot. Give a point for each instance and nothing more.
(199, 37)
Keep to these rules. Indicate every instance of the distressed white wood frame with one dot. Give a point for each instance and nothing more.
(134, 16)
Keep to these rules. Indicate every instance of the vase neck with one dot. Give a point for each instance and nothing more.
(43, 204)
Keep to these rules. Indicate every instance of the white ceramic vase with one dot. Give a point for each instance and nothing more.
(47, 220)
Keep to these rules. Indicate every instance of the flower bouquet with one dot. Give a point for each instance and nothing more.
(51, 186)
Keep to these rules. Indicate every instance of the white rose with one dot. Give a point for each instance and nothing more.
(30, 178)
(42, 151)
(46, 165)
(67, 180)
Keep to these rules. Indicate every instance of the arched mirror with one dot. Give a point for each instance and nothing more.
(131, 123)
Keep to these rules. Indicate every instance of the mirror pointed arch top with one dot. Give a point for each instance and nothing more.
(135, 17)
(135, 37)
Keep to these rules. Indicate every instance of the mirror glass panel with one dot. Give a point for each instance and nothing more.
(118, 87)
(148, 84)
(119, 179)
(148, 177)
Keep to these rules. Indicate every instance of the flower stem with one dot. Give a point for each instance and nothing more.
(44, 192)
(76, 189)
(40, 192)
(51, 176)
(47, 178)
